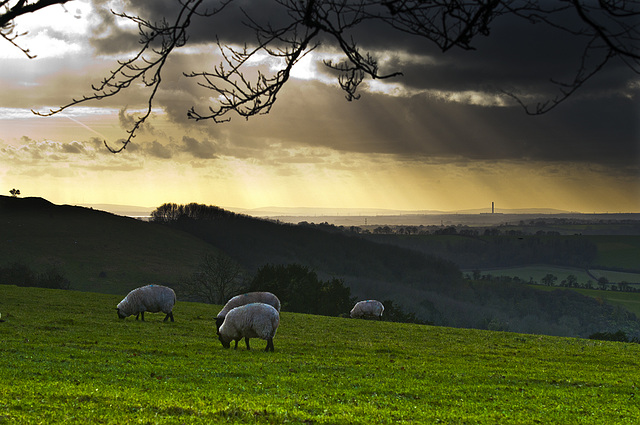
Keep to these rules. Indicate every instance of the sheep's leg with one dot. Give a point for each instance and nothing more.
(169, 315)
(269, 345)
(138, 316)
(236, 347)
(246, 341)
(142, 315)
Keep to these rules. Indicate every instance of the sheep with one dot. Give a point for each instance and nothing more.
(151, 298)
(368, 308)
(255, 320)
(248, 298)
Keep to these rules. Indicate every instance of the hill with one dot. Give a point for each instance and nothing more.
(97, 251)
(102, 252)
(74, 362)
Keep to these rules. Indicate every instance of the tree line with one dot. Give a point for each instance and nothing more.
(571, 281)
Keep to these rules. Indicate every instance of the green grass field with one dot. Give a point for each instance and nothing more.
(629, 300)
(66, 358)
(537, 272)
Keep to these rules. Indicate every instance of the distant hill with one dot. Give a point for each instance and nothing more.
(334, 212)
(125, 210)
(104, 252)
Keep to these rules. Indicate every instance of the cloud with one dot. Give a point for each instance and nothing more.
(446, 106)
(199, 149)
(44, 155)
(158, 150)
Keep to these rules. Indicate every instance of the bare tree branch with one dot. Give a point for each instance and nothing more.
(158, 41)
(609, 27)
(9, 10)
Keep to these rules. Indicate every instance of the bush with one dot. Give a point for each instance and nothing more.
(21, 275)
(619, 336)
(300, 290)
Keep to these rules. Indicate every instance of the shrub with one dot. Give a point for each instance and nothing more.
(21, 275)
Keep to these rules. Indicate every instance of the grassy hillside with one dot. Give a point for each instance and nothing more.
(97, 251)
(628, 300)
(66, 358)
(101, 252)
(621, 252)
(614, 252)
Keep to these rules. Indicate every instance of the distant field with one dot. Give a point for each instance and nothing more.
(629, 300)
(618, 251)
(66, 358)
(537, 272)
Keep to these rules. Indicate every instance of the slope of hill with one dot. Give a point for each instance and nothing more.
(102, 252)
(74, 362)
(97, 251)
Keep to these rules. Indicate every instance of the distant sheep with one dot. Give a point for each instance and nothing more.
(248, 298)
(256, 320)
(151, 298)
(368, 308)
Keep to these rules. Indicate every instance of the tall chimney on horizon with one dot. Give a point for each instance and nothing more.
(492, 208)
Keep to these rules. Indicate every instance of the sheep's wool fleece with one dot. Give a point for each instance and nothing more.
(367, 308)
(256, 320)
(248, 298)
(151, 298)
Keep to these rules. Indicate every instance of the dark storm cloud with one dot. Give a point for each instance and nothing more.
(517, 56)
(598, 124)
(421, 127)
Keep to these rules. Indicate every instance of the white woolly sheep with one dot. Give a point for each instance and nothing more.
(367, 308)
(255, 320)
(151, 298)
(244, 299)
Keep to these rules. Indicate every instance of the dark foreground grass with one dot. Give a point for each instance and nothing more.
(66, 358)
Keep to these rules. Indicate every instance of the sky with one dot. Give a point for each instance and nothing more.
(442, 136)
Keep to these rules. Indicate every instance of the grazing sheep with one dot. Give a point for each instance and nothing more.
(255, 320)
(248, 298)
(151, 298)
(368, 308)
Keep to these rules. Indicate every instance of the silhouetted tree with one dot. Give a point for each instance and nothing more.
(15, 192)
(171, 212)
(217, 279)
(166, 213)
(572, 281)
(549, 279)
(603, 282)
(300, 290)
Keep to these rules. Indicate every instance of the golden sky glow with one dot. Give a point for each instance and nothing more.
(402, 146)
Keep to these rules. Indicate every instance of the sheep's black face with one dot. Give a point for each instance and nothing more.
(121, 315)
(225, 343)
(219, 322)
